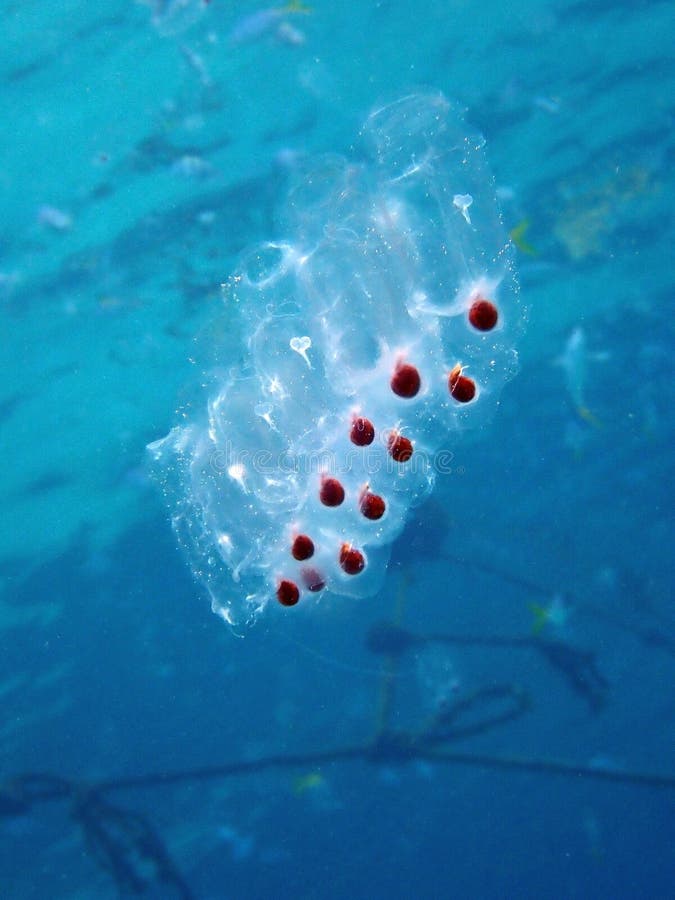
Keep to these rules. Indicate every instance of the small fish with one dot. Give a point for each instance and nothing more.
(196, 63)
(309, 782)
(172, 17)
(551, 105)
(241, 846)
(258, 24)
(192, 166)
(593, 832)
(574, 362)
(517, 235)
(554, 614)
(57, 219)
(288, 34)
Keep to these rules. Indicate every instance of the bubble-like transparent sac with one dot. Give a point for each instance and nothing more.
(383, 263)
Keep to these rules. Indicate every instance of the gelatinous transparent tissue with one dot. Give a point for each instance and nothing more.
(383, 261)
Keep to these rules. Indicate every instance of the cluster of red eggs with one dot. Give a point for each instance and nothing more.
(405, 382)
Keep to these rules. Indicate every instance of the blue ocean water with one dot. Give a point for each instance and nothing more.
(144, 146)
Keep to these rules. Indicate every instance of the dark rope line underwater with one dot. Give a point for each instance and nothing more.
(19, 793)
(127, 847)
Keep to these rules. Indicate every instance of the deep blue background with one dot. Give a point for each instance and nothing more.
(110, 660)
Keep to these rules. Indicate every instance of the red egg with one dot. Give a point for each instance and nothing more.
(362, 432)
(288, 593)
(372, 505)
(331, 492)
(483, 314)
(303, 547)
(462, 389)
(405, 382)
(400, 448)
(351, 560)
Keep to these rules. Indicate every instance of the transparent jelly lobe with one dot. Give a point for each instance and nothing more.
(359, 335)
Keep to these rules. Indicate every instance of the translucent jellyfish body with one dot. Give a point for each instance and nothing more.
(380, 330)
